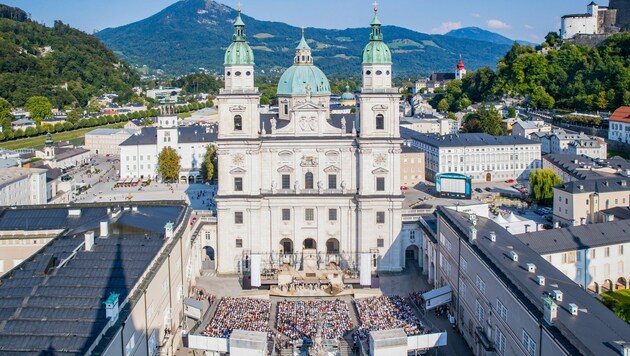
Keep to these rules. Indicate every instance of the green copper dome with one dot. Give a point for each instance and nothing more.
(239, 52)
(376, 51)
(303, 78)
(347, 95)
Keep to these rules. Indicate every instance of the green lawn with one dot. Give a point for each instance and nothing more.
(622, 296)
(61, 136)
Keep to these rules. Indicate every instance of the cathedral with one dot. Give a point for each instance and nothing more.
(302, 179)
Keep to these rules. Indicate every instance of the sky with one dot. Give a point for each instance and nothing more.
(528, 20)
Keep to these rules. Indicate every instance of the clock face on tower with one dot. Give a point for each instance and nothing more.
(380, 159)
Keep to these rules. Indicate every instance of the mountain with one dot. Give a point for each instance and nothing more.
(195, 33)
(66, 65)
(478, 34)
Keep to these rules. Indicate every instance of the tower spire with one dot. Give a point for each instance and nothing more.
(376, 34)
(239, 27)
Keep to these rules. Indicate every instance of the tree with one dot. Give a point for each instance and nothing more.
(169, 164)
(39, 107)
(443, 105)
(147, 122)
(487, 119)
(552, 38)
(74, 116)
(511, 112)
(5, 115)
(209, 163)
(94, 106)
(541, 182)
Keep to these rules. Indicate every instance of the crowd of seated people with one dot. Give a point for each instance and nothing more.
(299, 319)
(386, 313)
(239, 313)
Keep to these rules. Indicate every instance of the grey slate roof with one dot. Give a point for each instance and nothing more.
(466, 139)
(62, 311)
(603, 185)
(189, 134)
(577, 237)
(591, 332)
(620, 213)
(574, 165)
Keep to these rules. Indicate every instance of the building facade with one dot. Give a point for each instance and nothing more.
(437, 126)
(596, 20)
(22, 186)
(527, 128)
(411, 167)
(139, 153)
(107, 141)
(508, 300)
(579, 202)
(305, 179)
(619, 125)
(483, 157)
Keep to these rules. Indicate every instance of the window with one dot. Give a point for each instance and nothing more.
(332, 181)
(238, 123)
(286, 109)
(500, 342)
(412, 235)
(620, 250)
(502, 310)
(286, 181)
(380, 217)
(463, 264)
(380, 242)
(380, 122)
(529, 343)
(332, 214)
(238, 217)
(380, 184)
(481, 285)
(309, 214)
(238, 184)
(568, 257)
(479, 311)
(239, 243)
(462, 289)
(607, 252)
(286, 214)
(308, 180)
(593, 254)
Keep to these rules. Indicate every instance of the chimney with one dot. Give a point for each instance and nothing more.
(540, 280)
(551, 310)
(74, 212)
(557, 295)
(134, 209)
(493, 236)
(89, 240)
(514, 256)
(104, 228)
(531, 268)
(573, 308)
(472, 234)
(168, 230)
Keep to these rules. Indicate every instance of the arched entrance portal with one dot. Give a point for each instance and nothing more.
(286, 246)
(309, 244)
(332, 246)
(488, 177)
(621, 283)
(607, 286)
(208, 258)
(412, 254)
(594, 287)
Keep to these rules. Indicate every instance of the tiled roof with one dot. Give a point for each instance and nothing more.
(622, 114)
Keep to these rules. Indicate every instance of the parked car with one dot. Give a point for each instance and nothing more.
(66, 178)
(404, 188)
(478, 190)
(488, 189)
(510, 181)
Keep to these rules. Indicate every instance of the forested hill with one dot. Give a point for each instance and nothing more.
(193, 34)
(64, 64)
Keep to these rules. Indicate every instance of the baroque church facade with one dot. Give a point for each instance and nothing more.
(303, 179)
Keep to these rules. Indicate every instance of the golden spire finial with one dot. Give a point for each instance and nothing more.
(238, 7)
(375, 6)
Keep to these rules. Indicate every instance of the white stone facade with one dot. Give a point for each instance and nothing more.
(23, 186)
(619, 131)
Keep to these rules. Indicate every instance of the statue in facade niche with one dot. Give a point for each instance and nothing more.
(343, 124)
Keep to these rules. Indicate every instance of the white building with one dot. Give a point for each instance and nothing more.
(483, 157)
(107, 141)
(575, 143)
(597, 20)
(22, 186)
(619, 125)
(597, 257)
(307, 182)
(139, 153)
(62, 154)
(438, 126)
(527, 128)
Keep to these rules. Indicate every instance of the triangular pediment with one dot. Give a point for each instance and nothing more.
(238, 170)
(332, 169)
(285, 169)
(307, 106)
(380, 171)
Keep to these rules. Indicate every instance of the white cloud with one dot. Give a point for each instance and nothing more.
(474, 14)
(497, 24)
(529, 27)
(446, 26)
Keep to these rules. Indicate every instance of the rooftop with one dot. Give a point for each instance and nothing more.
(604, 185)
(577, 237)
(622, 114)
(595, 330)
(584, 167)
(189, 134)
(14, 174)
(464, 140)
(58, 307)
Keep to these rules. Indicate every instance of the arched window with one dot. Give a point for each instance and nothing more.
(238, 123)
(380, 122)
(308, 180)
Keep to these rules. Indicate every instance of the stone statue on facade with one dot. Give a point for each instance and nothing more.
(343, 125)
(273, 124)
